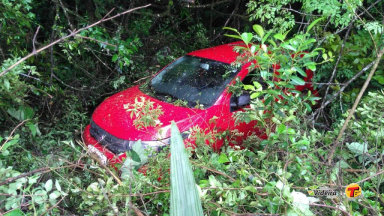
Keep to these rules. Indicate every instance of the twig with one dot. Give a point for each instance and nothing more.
(13, 131)
(12, 179)
(54, 206)
(355, 170)
(338, 60)
(107, 169)
(41, 170)
(373, 176)
(72, 33)
(106, 15)
(298, 12)
(143, 78)
(214, 171)
(114, 208)
(69, 86)
(34, 39)
(93, 39)
(207, 5)
(345, 85)
(345, 125)
(65, 10)
(331, 207)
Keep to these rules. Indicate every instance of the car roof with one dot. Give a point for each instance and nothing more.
(223, 53)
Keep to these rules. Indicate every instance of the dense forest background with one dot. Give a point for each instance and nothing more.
(47, 99)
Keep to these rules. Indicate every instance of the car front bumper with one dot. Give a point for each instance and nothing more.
(102, 153)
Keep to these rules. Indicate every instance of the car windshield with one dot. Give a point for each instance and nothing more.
(197, 81)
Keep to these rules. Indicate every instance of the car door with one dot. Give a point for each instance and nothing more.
(240, 130)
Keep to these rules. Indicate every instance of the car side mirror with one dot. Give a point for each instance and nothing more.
(240, 101)
(244, 99)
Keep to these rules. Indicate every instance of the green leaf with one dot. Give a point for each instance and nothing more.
(246, 37)
(295, 80)
(264, 74)
(185, 198)
(48, 185)
(358, 148)
(259, 30)
(266, 37)
(249, 87)
(54, 195)
(21, 114)
(301, 71)
(16, 212)
(231, 29)
(6, 84)
(379, 78)
(136, 158)
(258, 86)
(33, 128)
(233, 36)
(314, 23)
(140, 151)
(223, 158)
(311, 66)
(281, 129)
(255, 95)
(11, 142)
(273, 43)
(325, 56)
(57, 185)
(279, 36)
(288, 47)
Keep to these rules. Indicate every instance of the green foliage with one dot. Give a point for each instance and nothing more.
(136, 158)
(16, 21)
(281, 68)
(40, 194)
(281, 17)
(185, 198)
(144, 113)
(12, 89)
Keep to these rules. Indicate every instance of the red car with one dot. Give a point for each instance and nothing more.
(199, 81)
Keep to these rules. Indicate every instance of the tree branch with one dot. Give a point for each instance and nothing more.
(73, 33)
(345, 85)
(207, 5)
(370, 75)
(338, 60)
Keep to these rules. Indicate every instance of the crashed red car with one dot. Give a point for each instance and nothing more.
(200, 80)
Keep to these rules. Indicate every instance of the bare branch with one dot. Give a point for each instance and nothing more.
(13, 131)
(72, 33)
(93, 39)
(34, 39)
(370, 75)
(207, 5)
(12, 179)
(331, 207)
(345, 85)
(338, 60)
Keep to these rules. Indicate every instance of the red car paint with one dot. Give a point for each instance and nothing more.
(111, 116)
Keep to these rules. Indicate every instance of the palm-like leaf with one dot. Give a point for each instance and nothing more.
(185, 198)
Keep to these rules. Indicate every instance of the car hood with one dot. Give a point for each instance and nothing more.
(112, 116)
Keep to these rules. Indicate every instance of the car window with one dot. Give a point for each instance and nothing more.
(192, 79)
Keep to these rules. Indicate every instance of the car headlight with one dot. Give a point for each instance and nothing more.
(98, 154)
(156, 144)
(159, 144)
